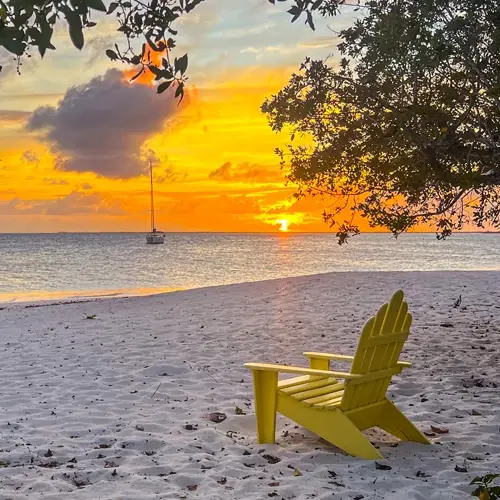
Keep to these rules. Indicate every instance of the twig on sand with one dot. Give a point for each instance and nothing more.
(203, 369)
(211, 376)
(152, 395)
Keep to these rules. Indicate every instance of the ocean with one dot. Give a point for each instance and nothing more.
(67, 265)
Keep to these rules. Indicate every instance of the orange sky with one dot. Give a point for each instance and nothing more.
(215, 169)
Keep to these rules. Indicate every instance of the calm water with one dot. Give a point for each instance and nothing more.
(36, 266)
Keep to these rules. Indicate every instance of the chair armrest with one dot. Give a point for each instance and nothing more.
(404, 364)
(343, 357)
(326, 355)
(299, 371)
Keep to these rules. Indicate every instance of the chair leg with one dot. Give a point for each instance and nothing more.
(332, 425)
(319, 364)
(345, 435)
(265, 386)
(393, 421)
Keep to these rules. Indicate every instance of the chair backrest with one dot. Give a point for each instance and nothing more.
(379, 346)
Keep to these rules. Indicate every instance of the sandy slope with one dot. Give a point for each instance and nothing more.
(83, 389)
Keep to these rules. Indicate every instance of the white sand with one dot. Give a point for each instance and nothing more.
(83, 389)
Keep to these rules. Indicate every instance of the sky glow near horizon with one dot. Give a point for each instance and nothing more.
(76, 136)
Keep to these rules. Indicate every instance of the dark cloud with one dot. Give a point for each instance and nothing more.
(100, 126)
(247, 172)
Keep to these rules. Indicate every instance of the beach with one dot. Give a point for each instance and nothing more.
(111, 398)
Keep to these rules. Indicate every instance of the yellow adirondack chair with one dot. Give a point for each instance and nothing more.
(339, 410)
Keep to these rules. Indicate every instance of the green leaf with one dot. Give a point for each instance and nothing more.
(112, 54)
(163, 86)
(75, 29)
(112, 7)
(137, 75)
(96, 5)
(476, 492)
(46, 35)
(490, 477)
(239, 411)
(181, 64)
(14, 46)
(138, 20)
(152, 45)
(179, 91)
(295, 12)
(297, 472)
(34, 33)
(156, 71)
(310, 21)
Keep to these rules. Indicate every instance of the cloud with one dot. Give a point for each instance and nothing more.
(55, 182)
(75, 203)
(322, 42)
(8, 63)
(244, 31)
(30, 157)
(305, 47)
(11, 207)
(13, 115)
(96, 48)
(213, 212)
(100, 126)
(246, 172)
(168, 174)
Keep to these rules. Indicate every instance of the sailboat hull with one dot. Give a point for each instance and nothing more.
(155, 239)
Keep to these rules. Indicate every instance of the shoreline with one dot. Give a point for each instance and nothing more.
(36, 297)
(71, 297)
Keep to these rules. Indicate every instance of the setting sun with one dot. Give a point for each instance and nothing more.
(284, 224)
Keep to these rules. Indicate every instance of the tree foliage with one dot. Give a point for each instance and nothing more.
(146, 27)
(406, 129)
(485, 488)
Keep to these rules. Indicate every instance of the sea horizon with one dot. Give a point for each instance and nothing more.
(288, 231)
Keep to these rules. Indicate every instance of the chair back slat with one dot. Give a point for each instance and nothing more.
(379, 347)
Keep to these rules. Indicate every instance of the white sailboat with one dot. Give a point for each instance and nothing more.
(155, 237)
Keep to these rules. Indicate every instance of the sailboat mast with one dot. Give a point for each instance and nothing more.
(152, 201)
